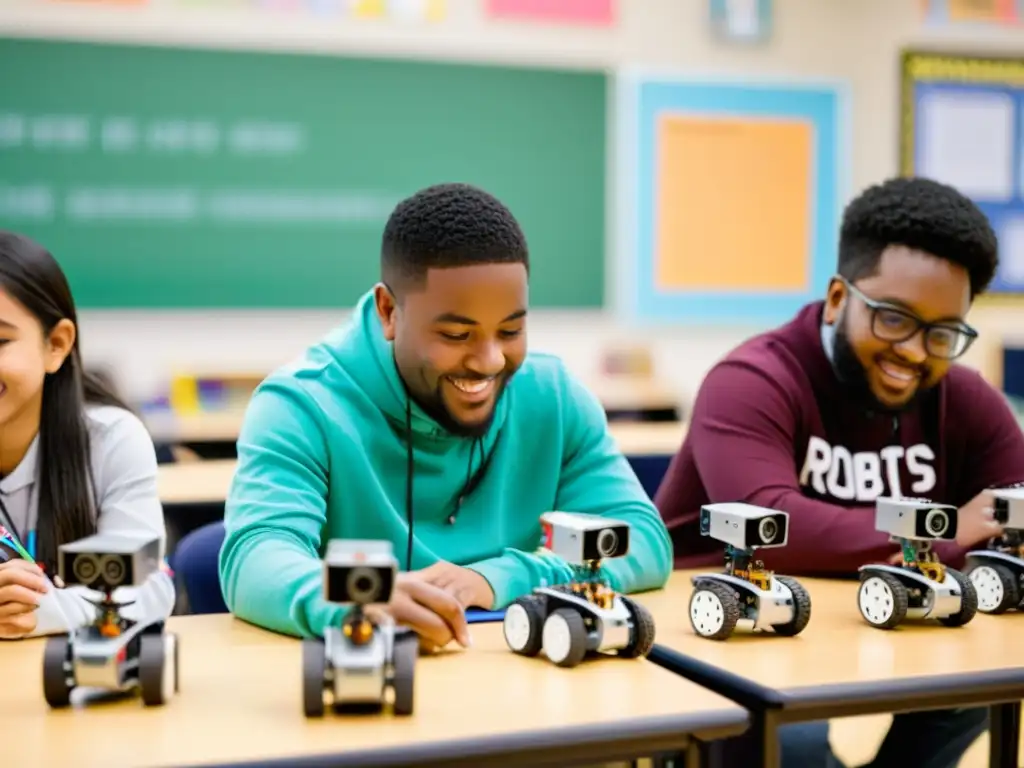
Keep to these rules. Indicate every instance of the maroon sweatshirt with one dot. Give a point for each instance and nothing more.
(772, 426)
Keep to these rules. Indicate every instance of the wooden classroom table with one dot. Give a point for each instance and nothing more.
(840, 666)
(240, 704)
(206, 482)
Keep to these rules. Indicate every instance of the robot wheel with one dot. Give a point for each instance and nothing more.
(714, 610)
(158, 668)
(882, 599)
(996, 586)
(564, 637)
(58, 678)
(523, 625)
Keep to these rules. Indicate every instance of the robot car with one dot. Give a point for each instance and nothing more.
(357, 664)
(746, 595)
(569, 621)
(998, 571)
(920, 587)
(113, 653)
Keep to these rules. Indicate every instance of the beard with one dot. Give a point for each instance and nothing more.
(434, 406)
(853, 375)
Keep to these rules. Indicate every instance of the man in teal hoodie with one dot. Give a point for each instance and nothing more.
(423, 421)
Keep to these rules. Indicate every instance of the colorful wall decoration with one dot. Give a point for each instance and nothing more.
(601, 13)
(961, 124)
(731, 197)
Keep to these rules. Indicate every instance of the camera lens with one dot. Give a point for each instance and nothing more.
(113, 570)
(85, 569)
(607, 542)
(363, 585)
(768, 530)
(936, 522)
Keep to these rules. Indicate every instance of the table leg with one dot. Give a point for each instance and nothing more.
(766, 728)
(1004, 735)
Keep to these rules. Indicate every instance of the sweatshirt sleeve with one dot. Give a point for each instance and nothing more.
(270, 564)
(595, 479)
(125, 474)
(742, 434)
(995, 440)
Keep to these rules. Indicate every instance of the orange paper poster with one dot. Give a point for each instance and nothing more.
(583, 12)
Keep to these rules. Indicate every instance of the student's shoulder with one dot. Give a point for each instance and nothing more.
(116, 436)
(108, 423)
(966, 389)
(545, 374)
(768, 357)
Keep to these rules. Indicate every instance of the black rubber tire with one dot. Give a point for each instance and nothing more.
(152, 661)
(968, 601)
(641, 638)
(801, 609)
(406, 652)
(577, 637)
(56, 687)
(314, 664)
(535, 607)
(1008, 581)
(901, 600)
(730, 607)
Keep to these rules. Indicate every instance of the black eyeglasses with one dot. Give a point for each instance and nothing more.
(890, 323)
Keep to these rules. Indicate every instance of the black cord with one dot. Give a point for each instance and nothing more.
(408, 479)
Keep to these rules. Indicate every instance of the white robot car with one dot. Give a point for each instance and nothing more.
(113, 653)
(920, 587)
(746, 595)
(356, 665)
(585, 616)
(998, 571)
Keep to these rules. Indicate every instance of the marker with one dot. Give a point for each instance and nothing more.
(16, 546)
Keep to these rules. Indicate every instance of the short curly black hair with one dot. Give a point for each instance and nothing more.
(448, 225)
(922, 214)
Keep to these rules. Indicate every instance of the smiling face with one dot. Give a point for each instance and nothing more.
(27, 354)
(920, 288)
(458, 339)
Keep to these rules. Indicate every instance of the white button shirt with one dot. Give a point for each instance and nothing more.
(124, 471)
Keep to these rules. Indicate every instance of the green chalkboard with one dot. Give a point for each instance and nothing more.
(166, 177)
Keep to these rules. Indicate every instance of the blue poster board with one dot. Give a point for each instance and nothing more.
(730, 197)
(960, 123)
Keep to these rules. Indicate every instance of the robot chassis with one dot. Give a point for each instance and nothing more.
(746, 595)
(113, 654)
(919, 587)
(358, 664)
(584, 616)
(997, 571)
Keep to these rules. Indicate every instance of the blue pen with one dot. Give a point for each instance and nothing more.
(30, 545)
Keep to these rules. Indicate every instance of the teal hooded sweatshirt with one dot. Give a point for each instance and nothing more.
(324, 453)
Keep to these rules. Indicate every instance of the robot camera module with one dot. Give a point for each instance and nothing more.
(364, 664)
(997, 570)
(919, 587)
(113, 653)
(584, 616)
(745, 595)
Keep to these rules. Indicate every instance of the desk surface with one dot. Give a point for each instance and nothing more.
(840, 658)
(240, 700)
(207, 482)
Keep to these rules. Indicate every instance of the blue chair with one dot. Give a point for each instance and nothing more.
(194, 562)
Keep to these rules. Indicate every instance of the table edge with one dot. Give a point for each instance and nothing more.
(985, 686)
(637, 735)
(1004, 684)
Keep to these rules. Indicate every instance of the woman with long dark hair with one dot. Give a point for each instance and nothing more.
(74, 459)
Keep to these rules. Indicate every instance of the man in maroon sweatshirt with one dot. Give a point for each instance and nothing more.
(858, 397)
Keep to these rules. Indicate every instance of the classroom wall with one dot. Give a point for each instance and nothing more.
(858, 41)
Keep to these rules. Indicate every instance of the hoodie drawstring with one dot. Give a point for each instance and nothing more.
(467, 487)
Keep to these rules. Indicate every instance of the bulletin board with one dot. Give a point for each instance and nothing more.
(731, 195)
(960, 123)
